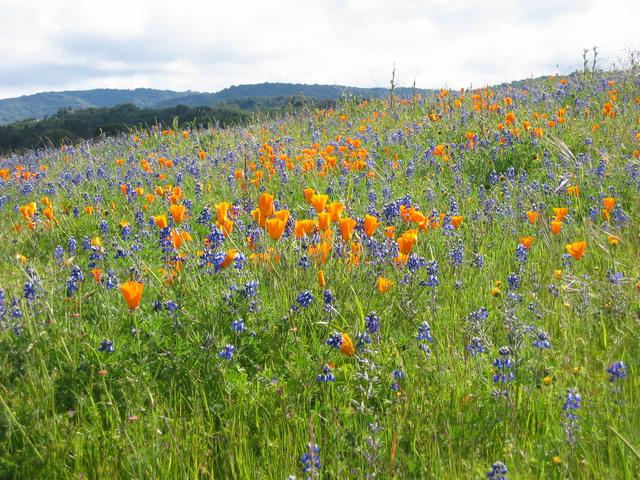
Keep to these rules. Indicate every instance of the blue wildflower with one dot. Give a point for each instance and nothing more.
(335, 340)
(542, 340)
(304, 299)
(107, 346)
(327, 375)
(238, 325)
(372, 322)
(498, 471)
(617, 371)
(311, 459)
(476, 346)
(227, 352)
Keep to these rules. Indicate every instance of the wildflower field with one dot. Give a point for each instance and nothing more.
(443, 287)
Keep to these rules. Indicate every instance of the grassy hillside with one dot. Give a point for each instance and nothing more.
(436, 287)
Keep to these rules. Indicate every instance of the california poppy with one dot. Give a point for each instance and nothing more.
(265, 205)
(613, 240)
(456, 220)
(308, 194)
(177, 212)
(526, 242)
(275, 227)
(384, 284)
(324, 221)
(335, 210)
(132, 293)
(322, 281)
(258, 217)
(533, 216)
(319, 202)
(370, 225)
(573, 191)
(346, 228)
(556, 227)
(560, 213)
(406, 241)
(28, 211)
(222, 209)
(304, 227)
(609, 203)
(161, 221)
(346, 346)
(390, 232)
(97, 274)
(576, 249)
(282, 215)
(48, 212)
(230, 257)
(438, 150)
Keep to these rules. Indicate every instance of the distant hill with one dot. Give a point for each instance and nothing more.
(69, 126)
(46, 104)
(262, 90)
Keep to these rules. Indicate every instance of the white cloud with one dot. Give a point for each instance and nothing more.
(70, 44)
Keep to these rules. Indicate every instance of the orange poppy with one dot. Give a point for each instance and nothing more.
(303, 228)
(230, 257)
(282, 215)
(438, 150)
(321, 251)
(560, 213)
(526, 242)
(370, 225)
(390, 232)
(322, 281)
(48, 212)
(576, 249)
(97, 274)
(161, 221)
(406, 241)
(573, 191)
(613, 240)
(28, 211)
(533, 216)
(609, 203)
(265, 205)
(177, 212)
(324, 221)
(335, 210)
(346, 346)
(132, 293)
(346, 228)
(222, 208)
(384, 284)
(275, 227)
(308, 194)
(556, 227)
(319, 202)
(456, 221)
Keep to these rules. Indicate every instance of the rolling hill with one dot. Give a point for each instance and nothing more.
(45, 104)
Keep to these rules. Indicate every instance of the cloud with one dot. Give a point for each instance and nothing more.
(71, 44)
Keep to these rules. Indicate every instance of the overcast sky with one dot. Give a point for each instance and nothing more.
(208, 45)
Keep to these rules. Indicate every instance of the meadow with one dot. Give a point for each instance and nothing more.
(441, 287)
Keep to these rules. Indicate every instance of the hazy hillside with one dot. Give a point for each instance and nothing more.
(261, 90)
(74, 125)
(45, 104)
(48, 103)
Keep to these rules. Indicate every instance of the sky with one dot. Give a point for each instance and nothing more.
(209, 45)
